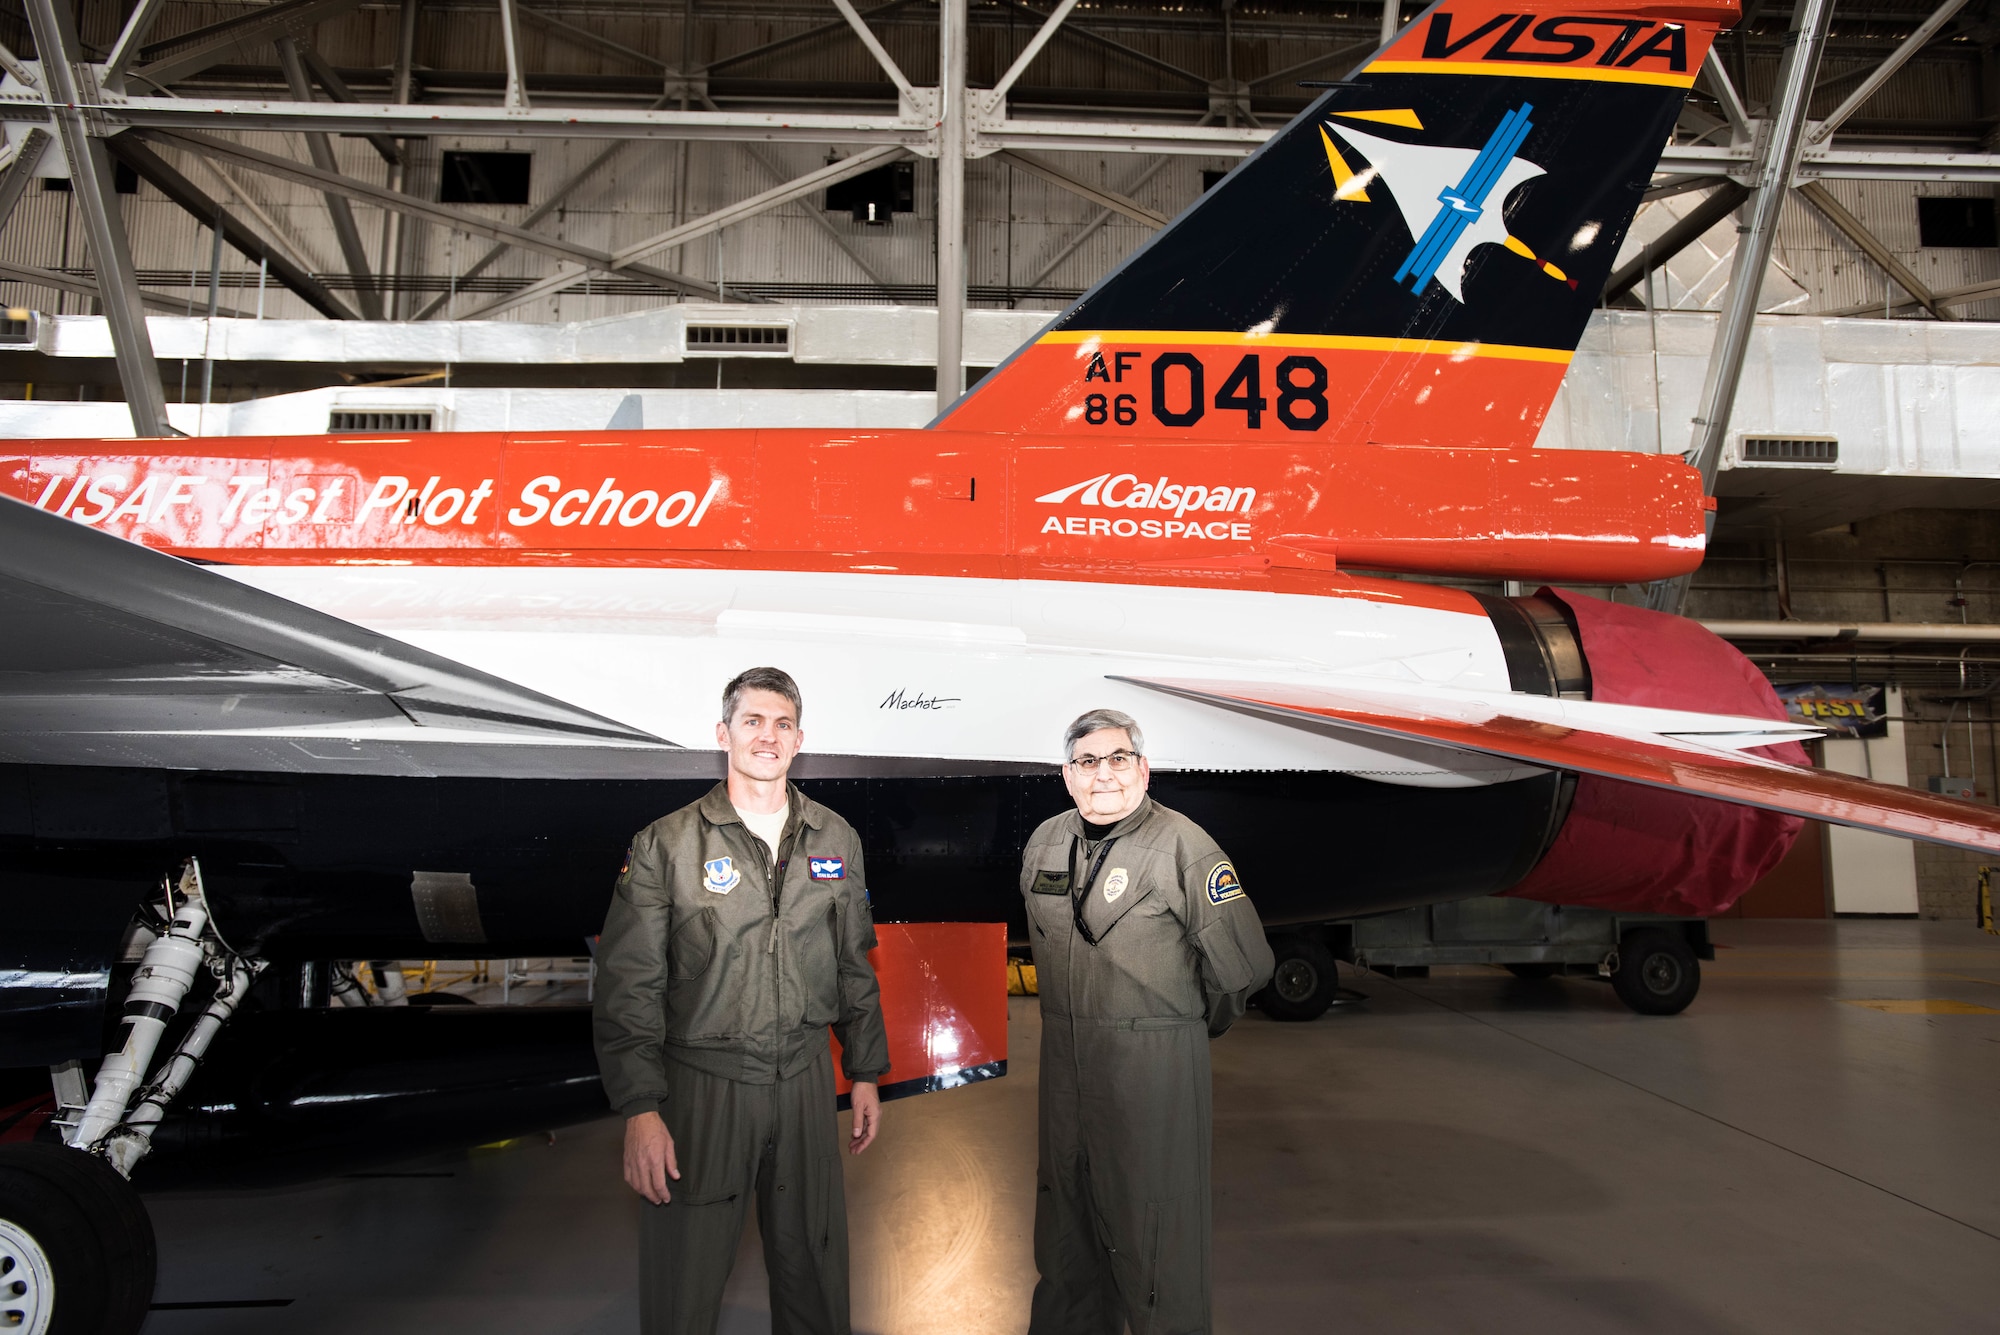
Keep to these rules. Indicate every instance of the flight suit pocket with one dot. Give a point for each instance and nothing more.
(693, 948)
(818, 968)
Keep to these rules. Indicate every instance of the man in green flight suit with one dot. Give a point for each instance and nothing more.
(1145, 949)
(739, 932)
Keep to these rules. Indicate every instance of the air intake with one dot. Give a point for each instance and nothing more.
(739, 340)
(19, 328)
(343, 419)
(1818, 451)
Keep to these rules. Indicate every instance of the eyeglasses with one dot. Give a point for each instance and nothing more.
(1119, 761)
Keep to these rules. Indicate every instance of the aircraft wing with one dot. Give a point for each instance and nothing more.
(118, 654)
(1685, 752)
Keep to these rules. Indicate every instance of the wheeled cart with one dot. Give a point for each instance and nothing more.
(1651, 960)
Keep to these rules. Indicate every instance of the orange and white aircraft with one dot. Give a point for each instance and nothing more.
(420, 689)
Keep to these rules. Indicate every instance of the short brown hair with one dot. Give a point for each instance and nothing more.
(776, 680)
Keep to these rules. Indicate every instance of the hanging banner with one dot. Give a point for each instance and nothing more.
(1852, 711)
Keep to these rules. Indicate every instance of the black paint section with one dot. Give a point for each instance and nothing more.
(1272, 243)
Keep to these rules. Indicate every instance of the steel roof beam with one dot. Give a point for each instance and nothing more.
(84, 287)
(1109, 199)
(1682, 234)
(21, 171)
(338, 91)
(237, 37)
(1912, 44)
(130, 37)
(439, 214)
(904, 90)
(344, 229)
(205, 210)
(238, 115)
(1868, 244)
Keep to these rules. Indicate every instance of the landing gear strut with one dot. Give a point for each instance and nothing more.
(76, 1247)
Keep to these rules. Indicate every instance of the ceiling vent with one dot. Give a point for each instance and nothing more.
(739, 340)
(1809, 451)
(371, 420)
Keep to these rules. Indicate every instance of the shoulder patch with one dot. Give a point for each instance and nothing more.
(1222, 884)
(721, 876)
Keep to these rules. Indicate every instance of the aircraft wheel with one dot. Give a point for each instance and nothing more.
(1657, 972)
(1305, 981)
(76, 1245)
(1534, 972)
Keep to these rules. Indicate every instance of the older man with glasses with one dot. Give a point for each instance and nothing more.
(1146, 948)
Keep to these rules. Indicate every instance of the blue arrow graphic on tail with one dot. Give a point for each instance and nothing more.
(1462, 205)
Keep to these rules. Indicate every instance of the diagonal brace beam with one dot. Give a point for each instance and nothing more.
(442, 215)
(206, 210)
(1912, 44)
(875, 49)
(730, 214)
(1870, 245)
(1677, 238)
(338, 91)
(1055, 176)
(337, 208)
(238, 38)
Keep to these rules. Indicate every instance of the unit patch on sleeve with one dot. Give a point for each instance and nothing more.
(721, 876)
(1222, 884)
(828, 869)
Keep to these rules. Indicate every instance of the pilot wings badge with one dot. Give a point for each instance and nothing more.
(1451, 199)
(720, 875)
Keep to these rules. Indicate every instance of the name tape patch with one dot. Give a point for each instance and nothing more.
(1051, 883)
(827, 869)
(1222, 884)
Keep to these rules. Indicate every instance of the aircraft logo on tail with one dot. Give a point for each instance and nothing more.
(1451, 199)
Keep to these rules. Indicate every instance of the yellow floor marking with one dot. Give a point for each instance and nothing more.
(1927, 1006)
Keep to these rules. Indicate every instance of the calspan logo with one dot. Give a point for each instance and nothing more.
(1451, 199)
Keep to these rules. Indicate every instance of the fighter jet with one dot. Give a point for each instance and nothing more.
(269, 704)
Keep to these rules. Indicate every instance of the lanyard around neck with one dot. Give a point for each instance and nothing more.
(1080, 890)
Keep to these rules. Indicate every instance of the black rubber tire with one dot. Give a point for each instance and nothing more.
(93, 1230)
(1534, 972)
(1305, 982)
(1657, 972)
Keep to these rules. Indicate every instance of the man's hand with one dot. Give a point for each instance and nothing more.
(867, 1107)
(649, 1155)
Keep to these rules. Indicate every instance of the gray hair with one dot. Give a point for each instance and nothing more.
(1097, 720)
(776, 680)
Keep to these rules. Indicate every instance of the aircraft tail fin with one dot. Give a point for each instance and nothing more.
(1410, 261)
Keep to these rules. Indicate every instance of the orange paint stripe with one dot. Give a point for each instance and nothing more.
(1339, 342)
(1514, 70)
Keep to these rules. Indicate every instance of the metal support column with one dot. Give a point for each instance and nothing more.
(1777, 160)
(950, 203)
(1391, 20)
(64, 79)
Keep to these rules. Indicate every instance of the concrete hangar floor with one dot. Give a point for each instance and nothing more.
(1813, 1146)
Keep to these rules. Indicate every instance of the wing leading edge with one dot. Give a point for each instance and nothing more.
(1675, 761)
(112, 639)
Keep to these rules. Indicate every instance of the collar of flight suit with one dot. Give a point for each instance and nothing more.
(1098, 915)
(717, 809)
(1118, 829)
